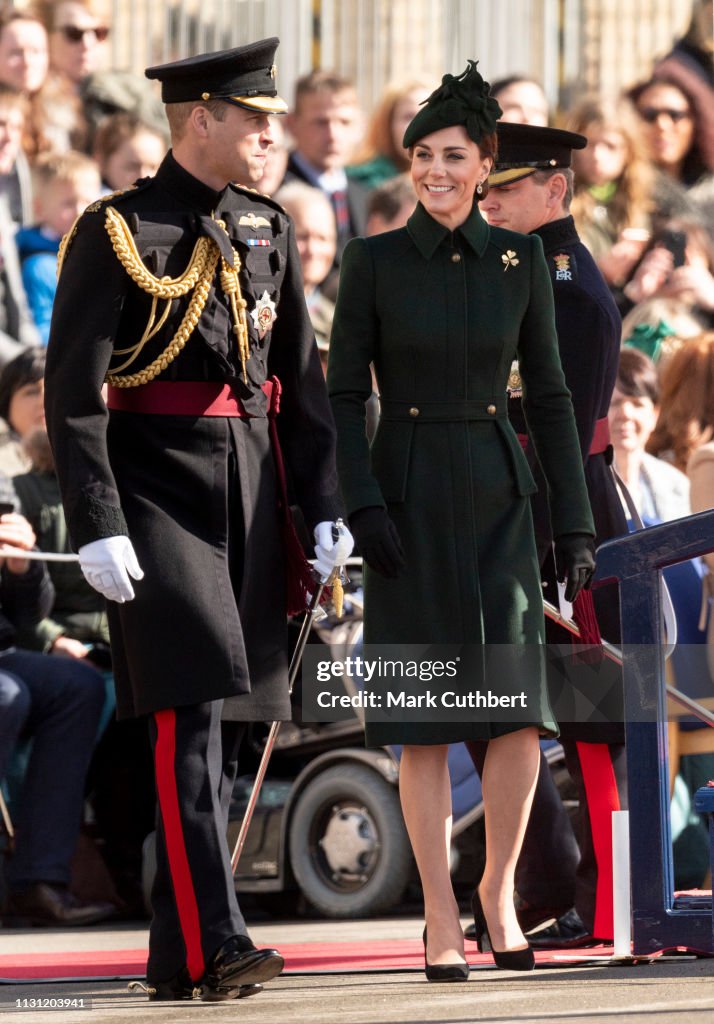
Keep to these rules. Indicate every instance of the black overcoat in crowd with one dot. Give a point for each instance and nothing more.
(441, 315)
(196, 495)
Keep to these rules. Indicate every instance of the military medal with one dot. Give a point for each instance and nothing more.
(562, 267)
(514, 388)
(264, 314)
(257, 241)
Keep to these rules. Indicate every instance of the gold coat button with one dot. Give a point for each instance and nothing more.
(413, 411)
(456, 257)
(491, 410)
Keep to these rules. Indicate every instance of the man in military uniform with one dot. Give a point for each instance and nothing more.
(530, 191)
(184, 293)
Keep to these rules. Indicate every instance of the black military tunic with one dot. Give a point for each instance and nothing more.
(589, 328)
(196, 495)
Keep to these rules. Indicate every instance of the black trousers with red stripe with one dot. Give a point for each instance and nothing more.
(193, 898)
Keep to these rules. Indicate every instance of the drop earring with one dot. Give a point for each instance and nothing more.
(479, 189)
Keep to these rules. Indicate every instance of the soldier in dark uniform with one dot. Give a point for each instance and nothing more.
(184, 293)
(530, 191)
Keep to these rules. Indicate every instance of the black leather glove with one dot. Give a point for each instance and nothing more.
(574, 562)
(377, 540)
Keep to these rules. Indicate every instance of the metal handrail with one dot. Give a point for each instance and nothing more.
(615, 654)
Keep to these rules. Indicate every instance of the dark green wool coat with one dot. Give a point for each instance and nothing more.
(441, 315)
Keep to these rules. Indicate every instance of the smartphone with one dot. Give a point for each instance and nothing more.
(676, 243)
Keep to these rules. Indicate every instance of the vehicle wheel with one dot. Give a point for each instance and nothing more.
(349, 848)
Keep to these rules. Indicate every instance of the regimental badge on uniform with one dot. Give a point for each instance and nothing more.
(514, 387)
(264, 314)
(562, 267)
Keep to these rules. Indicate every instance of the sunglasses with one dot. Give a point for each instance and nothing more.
(651, 114)
(75, 35)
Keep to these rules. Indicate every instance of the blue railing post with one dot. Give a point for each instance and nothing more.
(636, 561)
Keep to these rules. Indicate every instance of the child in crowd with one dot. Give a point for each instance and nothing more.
(64, 185)
(127, 149)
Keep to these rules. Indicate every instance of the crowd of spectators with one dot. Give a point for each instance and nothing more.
(72, 128)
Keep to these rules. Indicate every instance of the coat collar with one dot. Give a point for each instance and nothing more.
(557, 233)
(187, 189)
(427, 234)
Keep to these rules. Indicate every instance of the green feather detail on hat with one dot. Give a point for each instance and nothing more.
(460, 99)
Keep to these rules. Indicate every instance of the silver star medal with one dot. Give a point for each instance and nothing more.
(264, 314)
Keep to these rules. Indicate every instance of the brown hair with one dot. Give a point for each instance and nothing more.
(632, 203)
(177, 114)
(637, 375)
(686, 417)
(320, 81)
(115, 130)
(46, 11)
(9, 15)
(69, 166)
(379, 137)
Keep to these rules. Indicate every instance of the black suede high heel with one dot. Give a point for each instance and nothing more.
(444, 972)
(509, 959)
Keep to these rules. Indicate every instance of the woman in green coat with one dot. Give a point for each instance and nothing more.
(439, 505)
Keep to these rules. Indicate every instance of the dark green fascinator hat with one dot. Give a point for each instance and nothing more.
(460, 99)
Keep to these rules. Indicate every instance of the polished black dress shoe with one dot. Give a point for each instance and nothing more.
(568, 932)
(45, 905)
(444, 972)
(508, 959)
(238, 964)
(181, 987)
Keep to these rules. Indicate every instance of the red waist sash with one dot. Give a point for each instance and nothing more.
(599, 443)
(187, 398)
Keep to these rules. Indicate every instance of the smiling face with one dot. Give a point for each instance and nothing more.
(447, 166)
(632, 419)
(23, 55)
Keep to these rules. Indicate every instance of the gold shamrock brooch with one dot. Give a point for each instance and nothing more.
(510, 259)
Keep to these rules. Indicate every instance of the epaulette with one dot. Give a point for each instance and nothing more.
(95, 207)
(111, 197)
(262, 195)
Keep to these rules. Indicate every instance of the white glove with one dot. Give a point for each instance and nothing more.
(331, 553)
(107, 565)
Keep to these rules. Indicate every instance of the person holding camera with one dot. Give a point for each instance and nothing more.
(678, 264)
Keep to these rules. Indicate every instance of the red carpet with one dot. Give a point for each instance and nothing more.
(300, 958)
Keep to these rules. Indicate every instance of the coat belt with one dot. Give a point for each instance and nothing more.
(442, 412)
(599, 444)
(187, 398)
